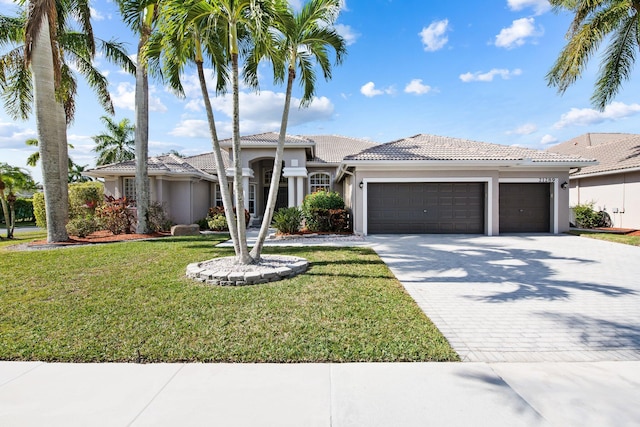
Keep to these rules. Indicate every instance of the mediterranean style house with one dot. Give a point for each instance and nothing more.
(613, 185)
(420, 184)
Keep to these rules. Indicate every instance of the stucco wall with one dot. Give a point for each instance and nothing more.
(617, 194)
(492, 179)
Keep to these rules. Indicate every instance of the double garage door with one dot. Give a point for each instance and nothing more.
(426, 207)
(454, 207)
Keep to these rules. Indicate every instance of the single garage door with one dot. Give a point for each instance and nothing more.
(425, 207)
(525, 208)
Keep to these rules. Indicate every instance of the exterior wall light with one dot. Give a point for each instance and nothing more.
(564, 185)
(361, 185)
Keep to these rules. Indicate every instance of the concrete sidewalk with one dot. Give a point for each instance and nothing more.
(366, 394)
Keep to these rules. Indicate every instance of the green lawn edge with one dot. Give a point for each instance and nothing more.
(131, 302)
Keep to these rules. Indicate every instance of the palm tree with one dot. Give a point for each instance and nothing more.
(141, 15)
(12, 178)
(48, 43)
(618, 22)
(304, 39)
(232, 18)
(75, 173)
(34, 158)
(117, 143)
(180, 40)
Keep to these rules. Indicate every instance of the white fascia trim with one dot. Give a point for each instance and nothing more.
(245, 172)
(488, 199)
(556, 191)
(294, 172)
(604, 173)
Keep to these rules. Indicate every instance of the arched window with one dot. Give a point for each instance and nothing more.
(319, 181)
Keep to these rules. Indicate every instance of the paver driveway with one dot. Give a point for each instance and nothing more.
(523, 298)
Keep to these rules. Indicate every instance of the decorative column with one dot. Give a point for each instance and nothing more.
(291, 192)
(298, 176)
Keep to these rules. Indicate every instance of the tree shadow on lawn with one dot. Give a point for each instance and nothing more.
(525, 273)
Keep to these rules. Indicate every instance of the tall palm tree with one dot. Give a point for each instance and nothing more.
(117, 143)
(181, 40)
(232, 18)
(614, 21)
(304, 41)
(75, 173)
(140, 16)
(45, 38)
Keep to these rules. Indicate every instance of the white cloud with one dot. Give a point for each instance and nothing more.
(417, 87)
(258, 113)
(488, 76)
(125, 98)
(525, 129)
(95, 14)
(347, 33)
(539, 6)
(14, 137)
(587, 116)
(548, 139)
(369, 90)
(434, 36)
(517, 33)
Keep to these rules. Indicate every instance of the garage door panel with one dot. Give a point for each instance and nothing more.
(426, 208)
(525, 208)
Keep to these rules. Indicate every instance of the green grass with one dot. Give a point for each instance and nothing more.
(130, 302)
(21, 237)
(617, 238)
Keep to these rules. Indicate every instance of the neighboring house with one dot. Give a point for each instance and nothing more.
(421, 184)
(613, 185)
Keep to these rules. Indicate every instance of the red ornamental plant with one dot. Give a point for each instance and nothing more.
(115, 215)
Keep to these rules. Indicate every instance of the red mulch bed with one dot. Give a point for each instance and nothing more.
(103, 236)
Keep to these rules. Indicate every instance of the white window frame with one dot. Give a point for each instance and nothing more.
(252, 198)
(217, 200)
(313, 187)
(129, 188)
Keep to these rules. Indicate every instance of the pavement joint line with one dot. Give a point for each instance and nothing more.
(144, 408)
(36, 366)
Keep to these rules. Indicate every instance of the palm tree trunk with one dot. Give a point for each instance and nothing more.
(5, 211)
(48, 124)
(277, 171)
(227, 202)
(142, 140)
(64, 160)
(244, 257)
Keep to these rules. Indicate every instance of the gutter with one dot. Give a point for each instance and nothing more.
(604, 173)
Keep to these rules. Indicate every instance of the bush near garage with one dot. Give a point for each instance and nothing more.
(324, 211)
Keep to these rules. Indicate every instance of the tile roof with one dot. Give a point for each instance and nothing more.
(613, 151)
(269, 138)
(439, 148)
(169, 164)
(334, 148)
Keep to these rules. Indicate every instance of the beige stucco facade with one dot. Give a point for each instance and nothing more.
(616, 193)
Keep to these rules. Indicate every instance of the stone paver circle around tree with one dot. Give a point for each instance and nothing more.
(225, 271)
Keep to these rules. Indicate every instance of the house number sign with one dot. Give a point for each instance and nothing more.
(547, 179)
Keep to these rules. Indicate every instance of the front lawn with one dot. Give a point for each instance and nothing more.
(610, 237)
(130, 302)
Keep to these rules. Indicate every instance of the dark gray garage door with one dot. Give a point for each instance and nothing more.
(525, 208)
(426, 207)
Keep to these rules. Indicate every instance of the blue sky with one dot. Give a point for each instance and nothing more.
(474, 71)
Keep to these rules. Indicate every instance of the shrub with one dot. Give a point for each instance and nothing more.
(287, 220)
(317, 207)
(83, 226)
(157, 217)
(586, 216)
(217, 221)
(115, 216)
(84, 198)
(23, 209)
(203, 223)
(39, 210)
